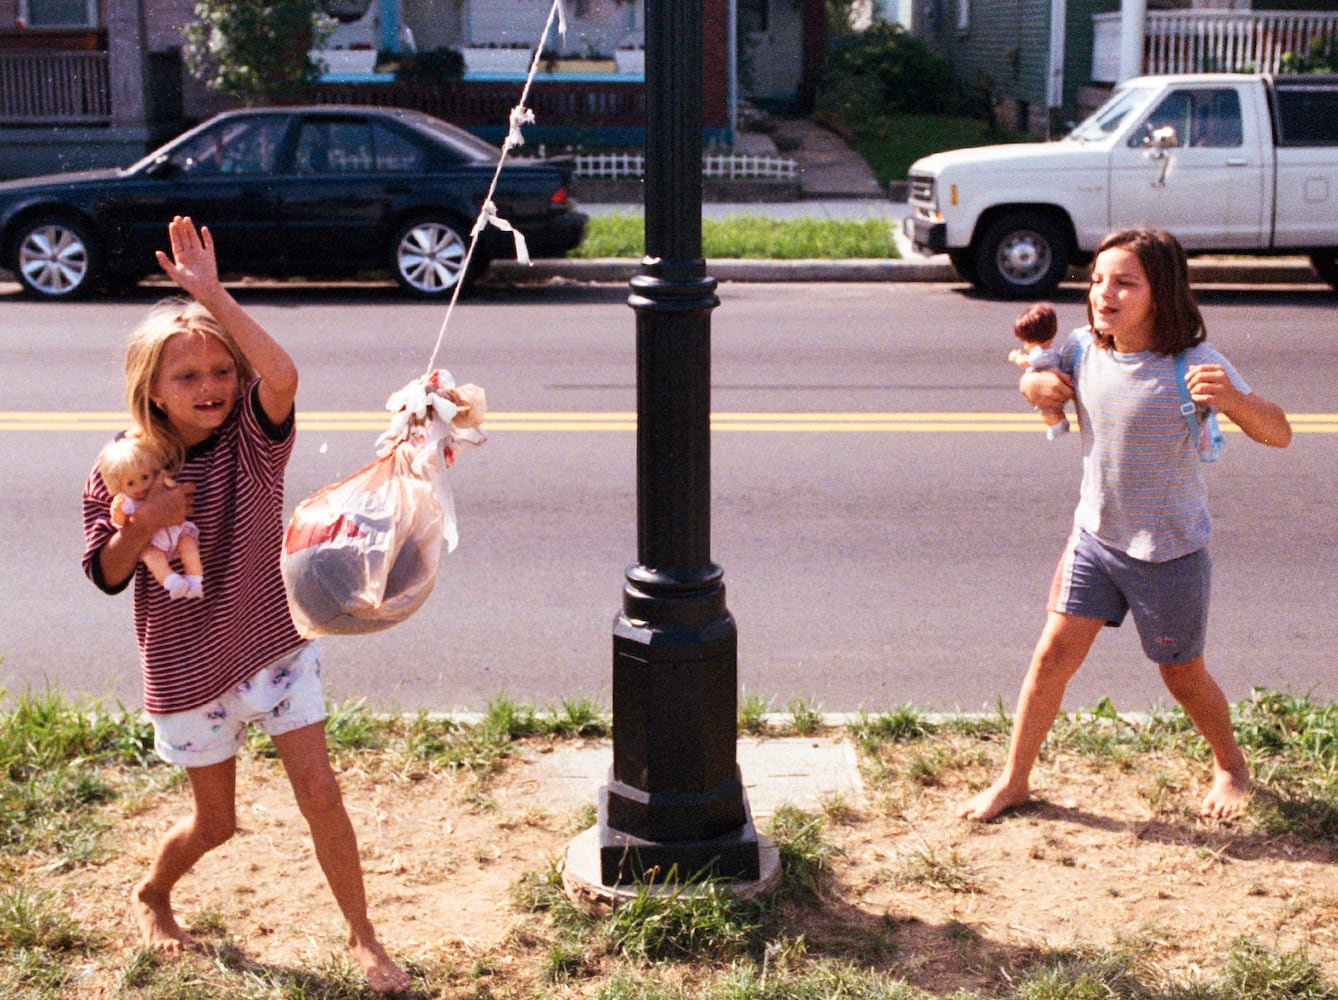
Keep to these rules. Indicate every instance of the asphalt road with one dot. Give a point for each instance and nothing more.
(886, 512)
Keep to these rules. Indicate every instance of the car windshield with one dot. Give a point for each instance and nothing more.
(1111, 115)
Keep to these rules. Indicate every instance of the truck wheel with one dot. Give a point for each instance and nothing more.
(1325, 263)
(1021, 256)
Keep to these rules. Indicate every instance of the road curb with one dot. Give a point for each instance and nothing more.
(1206, 271)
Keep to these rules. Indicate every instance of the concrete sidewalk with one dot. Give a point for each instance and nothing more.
(800, 771)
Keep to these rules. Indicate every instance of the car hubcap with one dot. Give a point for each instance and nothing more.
(53, 259)
(1024, 257)
(431, 257)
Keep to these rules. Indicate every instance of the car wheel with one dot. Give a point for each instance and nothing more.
(1021, 256)
(428, 258)
(56, 258)
(1325, 263)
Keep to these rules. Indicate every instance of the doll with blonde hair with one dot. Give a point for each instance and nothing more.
(130, 466)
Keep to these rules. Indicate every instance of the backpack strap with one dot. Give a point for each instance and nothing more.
(1207, 439)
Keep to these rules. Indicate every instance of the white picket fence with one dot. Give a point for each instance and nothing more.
(732, 166)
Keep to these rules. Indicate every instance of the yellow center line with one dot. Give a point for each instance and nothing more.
(619, 421)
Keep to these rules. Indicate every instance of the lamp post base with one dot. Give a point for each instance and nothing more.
(583, 883)
(625, 858)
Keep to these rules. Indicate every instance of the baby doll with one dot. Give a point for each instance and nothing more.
(1036, 329)
(128, 466)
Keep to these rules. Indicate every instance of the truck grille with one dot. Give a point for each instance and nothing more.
(921, 188)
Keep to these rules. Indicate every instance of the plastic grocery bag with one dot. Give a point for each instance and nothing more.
(363, 554)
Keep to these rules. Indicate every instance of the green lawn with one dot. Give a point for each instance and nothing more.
(748, 236)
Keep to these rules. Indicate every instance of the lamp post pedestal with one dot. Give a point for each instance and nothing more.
(674, 807)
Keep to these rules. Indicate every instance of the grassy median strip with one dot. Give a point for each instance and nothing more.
(885, 898)
(746, 236)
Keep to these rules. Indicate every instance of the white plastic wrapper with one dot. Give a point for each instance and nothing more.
(363, 554)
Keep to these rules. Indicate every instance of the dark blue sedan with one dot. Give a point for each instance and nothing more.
(311, 191)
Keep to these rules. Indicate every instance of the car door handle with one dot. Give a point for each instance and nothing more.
(1237, 161)
(398, 189)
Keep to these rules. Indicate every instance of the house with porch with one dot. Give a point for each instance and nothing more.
(1047, 63)
(88, 83)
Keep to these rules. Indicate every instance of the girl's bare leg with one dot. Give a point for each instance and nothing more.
(307, 761)
(1060, 651)
(212, 821)
(1206, 705)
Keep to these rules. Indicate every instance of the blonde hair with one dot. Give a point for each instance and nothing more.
(143, 361)
(122, 459)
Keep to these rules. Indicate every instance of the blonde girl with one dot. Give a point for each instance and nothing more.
(1140, 533)
(214, 393)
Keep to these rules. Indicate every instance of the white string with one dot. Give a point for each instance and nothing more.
(520, 115)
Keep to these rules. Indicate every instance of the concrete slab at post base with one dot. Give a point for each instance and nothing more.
(583, 882)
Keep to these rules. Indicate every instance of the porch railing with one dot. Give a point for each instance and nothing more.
(473, 103)
(54, 88)
(1208, 41)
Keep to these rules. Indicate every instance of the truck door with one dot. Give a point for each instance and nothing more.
(1194, 166)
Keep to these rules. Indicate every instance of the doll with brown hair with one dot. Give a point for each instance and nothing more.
(1036, 328)
(130, 466)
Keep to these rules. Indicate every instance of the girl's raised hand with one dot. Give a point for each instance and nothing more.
(192, 264)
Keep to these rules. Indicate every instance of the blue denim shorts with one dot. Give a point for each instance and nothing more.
(281, 697)
(1168, 600)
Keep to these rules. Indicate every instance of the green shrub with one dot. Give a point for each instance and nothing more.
(1320, 56)
(885, 67)
(431, 67)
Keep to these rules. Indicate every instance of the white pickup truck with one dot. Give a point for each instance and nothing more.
(1239, 164)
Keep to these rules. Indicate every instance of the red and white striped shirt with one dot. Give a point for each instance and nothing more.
(191, 651)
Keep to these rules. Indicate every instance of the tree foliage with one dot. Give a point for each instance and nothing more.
(256, 50)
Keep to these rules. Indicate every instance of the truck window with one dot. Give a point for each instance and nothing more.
(1307, 116)
(1200, 118)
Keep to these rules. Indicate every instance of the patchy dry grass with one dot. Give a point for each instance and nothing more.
(1108, 885)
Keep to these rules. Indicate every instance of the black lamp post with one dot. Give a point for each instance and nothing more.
(674, 806)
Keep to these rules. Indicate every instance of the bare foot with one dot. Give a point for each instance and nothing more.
(998, 798)
(157, 923)
(1229, 795)
(383, 975)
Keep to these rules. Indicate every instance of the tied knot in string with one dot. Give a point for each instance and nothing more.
(520, 115)
(489, 217)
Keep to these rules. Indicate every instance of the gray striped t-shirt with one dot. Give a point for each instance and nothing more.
(1143, 490)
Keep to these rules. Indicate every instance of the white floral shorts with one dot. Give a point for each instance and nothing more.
(281, 697)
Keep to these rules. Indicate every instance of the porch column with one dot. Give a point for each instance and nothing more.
(126, 52)
(1133, 18)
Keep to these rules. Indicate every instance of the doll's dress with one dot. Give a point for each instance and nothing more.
(164, 538)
